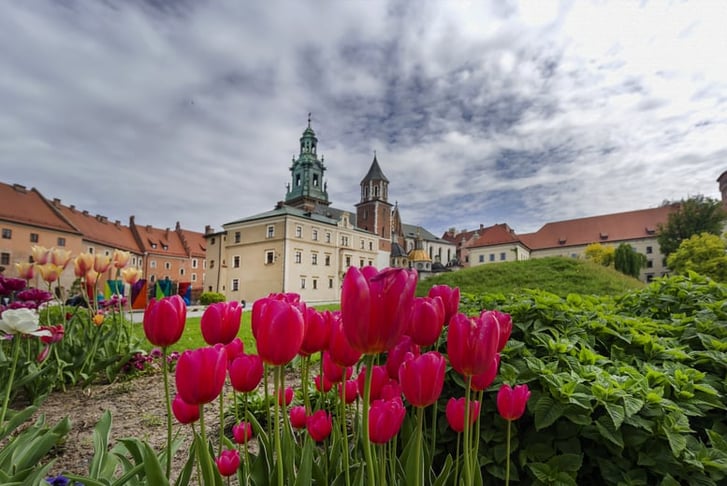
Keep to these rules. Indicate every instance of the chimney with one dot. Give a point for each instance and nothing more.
(117, 223)
(20, 188)
(207, 229)
(56, 202)
(166, 234)
(148, 228)
(482, 226)
(177, 227)
(85, 213)
(73, 208)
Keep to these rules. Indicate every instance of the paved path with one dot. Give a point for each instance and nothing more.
(192, 311)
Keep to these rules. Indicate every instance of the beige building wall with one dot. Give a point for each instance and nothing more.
(509, 252)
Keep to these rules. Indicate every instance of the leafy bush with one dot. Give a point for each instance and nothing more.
(207, 298)
(624, 391)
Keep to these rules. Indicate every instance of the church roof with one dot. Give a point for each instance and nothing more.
(375, 173)
(397, 250)
(419, 255)
(413, 231)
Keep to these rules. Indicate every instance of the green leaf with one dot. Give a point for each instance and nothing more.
(305, 471)
(609, 432)
(153, 468)
(632, 405)
(542, 472)
(616, 412)
(677, 441)
(547, 411)
(100, 445)
(566, 462)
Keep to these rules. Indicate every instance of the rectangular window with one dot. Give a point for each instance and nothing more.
(181, 271)
(361, 263)
(344, 240)
(7, 233)
(298, 231)
(314, 235)
(503, 256)
(271, 231)
(492, 257)
(238, 237)
(212, 264)
(328, 237)
(194, 277)
(167, 265)
(90, 250)
(314, 258)
(315, 284)
(302, 283)
(4, 258)
(482, 258)
(650, 264)
(328, 260)
(236, 261)
(348, 261)
(34, 237)
(153, 264)
(298, 256)
(61, 241)
(649, 250)
(235, 284)
(194, 263)
(330, 283)
(165, 247)
(363, 244)
(371, 245)
(269, 257)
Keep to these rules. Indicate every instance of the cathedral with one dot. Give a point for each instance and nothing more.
(305, 245)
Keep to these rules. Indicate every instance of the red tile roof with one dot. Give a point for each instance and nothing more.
(194, 241)
(98, 229)
(626, 226)
(149, 236)
(495, 235)
(20, 205)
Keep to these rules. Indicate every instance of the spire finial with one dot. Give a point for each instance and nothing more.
(309, 119)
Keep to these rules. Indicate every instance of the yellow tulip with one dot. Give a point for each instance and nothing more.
(82, 264)
(131, 275)
(91, 277)
(25, 270)
(41, 254)
(60, 257)
(49, 272)
(101, 263)
(121, 258)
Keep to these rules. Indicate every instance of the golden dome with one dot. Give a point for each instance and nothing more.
(419, 255)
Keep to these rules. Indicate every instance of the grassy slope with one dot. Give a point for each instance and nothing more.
(558, 275)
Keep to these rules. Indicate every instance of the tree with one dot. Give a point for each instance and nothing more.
(695, 215)
(597, 253)
(628, 261)
(704, 254)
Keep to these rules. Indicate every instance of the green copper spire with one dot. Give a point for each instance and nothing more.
(307, 187)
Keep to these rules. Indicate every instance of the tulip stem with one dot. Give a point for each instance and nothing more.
(278, 439)
(466, 465)
(267, 396)
(369, 359)
(433, 448)
(304, 364)
(344, 431)
(6, 400)
(418, 449)
(165, 372)
(222, 420)
(507, 466)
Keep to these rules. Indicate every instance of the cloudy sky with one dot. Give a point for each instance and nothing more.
(479, 112)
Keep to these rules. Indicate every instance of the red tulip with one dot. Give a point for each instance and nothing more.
(298, 417)
(422, 378)
(484, 380)
(333, 372)
(455, 413)
(379, 378)
(319, 425)
(228, 462)
(56, 334)
(326, 384)
(450, 298)
(164, 320)
(472, 343)
(376, 310)
(505, 323)
(220, 322)
(285, 395)
(246, 371)
(385, 419)
(317, 333)
(234, 348)
(398, 353)
(351, 388)
(511, 401)
(200, 374)
(342, 353)
(242, 432)
(426, 320)
(183, 411)
(392, 389)
(279, 328)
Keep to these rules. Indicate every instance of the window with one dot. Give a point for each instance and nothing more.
(236, 261)
(153, 246)
(167, 265)
(181, 271)
(314, 235)
(328, 237)
(153, 264)
(298, 231)
(152, 278)
(492, 257)
(298, 256)
(212, 241)
(7, 233)
(194, 263)
(271, 231)
(650, 264)
(330, 283)
(34, 237)
(235, 284)
(649, 250)
(4, 258)
(165, 247)
(61, 241)
(212, 264)
(649, 277)
(107, 253)
(237, 237)
(371, 245)
(361, 263)
(314, 258)
(90, 250)
(194, 277)
(328, 260)
(315, 284)
(344, 240)
(348, 261)
(302, 283)
(363, 243)
(371, 263)
(482, 258)
(503, 256)
(269, 257)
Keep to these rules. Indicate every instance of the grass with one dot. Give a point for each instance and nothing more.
(558, 275)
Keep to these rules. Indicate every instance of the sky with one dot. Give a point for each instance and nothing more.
(479, 112)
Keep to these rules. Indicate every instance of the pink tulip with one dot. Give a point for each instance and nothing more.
(183, 411)
(246, 371)
(422, 378)
(228, 462)
(279, 329)
(455, 413)
(450, 299)
(242, 432)
(319, 425)
(472, 343)
(385, 419)
(426, 320)
(298, 417)
(220, 322)
(164, 320)
(200, 374)
(404, 349)
(511, 401)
